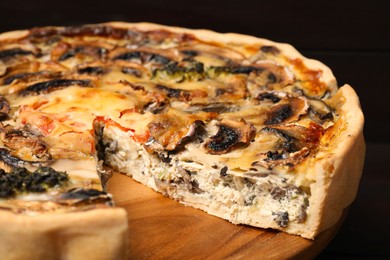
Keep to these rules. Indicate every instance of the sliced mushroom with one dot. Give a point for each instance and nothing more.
(91, 70)
(4, 108)
(149, 100)
(23, 72)
(271, 159)
(156, 106)
(295, 143)
(295, 137)
(24, 144)
(52, 85)
(268, 77)
(231, 135)
(64, 51)
(301, 136)
(217, 107)
(137, 72)
(27, 76)
(10, 53)
(319, 111)
(173, 129)
(181, 94)
(212, 55)
(143, 56)
(288, 111)
(167, 138)
(194, 127)
(274, 97)
(82, 196)
(8, 161)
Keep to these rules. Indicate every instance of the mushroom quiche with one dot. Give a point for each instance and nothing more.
(243, 128)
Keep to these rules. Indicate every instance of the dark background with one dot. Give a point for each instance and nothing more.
(351, 37)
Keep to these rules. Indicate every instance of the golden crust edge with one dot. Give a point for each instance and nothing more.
(13, 35)
(71, 235)
(338, 173)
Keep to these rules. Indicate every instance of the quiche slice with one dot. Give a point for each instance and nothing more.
(243, 128)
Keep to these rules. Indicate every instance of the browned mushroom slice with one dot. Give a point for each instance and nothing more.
(295, 143)
(271, 159)
(142, 57)
(20, 71)
(24, 144)
(11, 53)
(295, 137)
(319, 111)
(52, 85)
(26, 76)
(32, 71)
(91, 70)
(301, 136)
(81, 196)
(148, 100)
(274, 97)
(194, 128)
(181, 94)
(4, 108)
(288, 111)
(174, 128)
(268, 76)
(8, 161)
(134, 70)
(212, 55)
(64, 51)
(231, 135)
(217, 107)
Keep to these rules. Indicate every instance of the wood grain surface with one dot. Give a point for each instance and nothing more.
(161, 228)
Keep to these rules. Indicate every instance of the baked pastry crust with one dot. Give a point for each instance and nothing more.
(93, 234)
(333, 171)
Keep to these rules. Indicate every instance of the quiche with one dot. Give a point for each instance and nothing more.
(243, 128)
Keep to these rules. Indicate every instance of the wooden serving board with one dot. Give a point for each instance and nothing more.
(161, 228)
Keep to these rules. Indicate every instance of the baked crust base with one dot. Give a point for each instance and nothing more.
(93, 234)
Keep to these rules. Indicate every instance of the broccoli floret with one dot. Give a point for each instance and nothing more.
(186, 70)
(20, 180)
(215, 71)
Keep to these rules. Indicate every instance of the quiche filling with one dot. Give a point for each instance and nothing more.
(228, 128)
